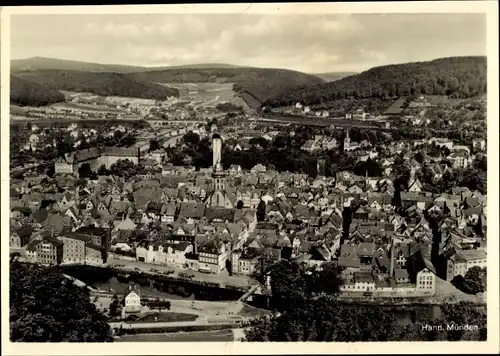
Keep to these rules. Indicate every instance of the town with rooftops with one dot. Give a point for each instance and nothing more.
(227, 200)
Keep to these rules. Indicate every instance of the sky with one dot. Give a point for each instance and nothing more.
(314, 43)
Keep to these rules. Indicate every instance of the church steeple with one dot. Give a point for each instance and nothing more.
(218, 174)
(347, 140)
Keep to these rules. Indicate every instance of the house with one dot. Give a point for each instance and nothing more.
(125, 224)
(361, 281)
(212, 256)
(168, 212)
(479, 144)
(309, 146)
(426, 280)
(20, 237)
(401, 276)
(74, 247)
(47, 250)
(132, 301)
(459, 160)
(415, 186)
(191, 210)
(462, 260)
(258, 168)
(421, 270)
(20, 212)
(245, 264)
(176, 253)
(100, 236)
(94, 254)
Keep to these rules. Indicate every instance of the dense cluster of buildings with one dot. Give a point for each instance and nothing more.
(217, 220)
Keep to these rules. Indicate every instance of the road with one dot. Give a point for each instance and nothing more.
(223, 278)
(318, 121)
(200, 321)
(226, 335)
(197, 307)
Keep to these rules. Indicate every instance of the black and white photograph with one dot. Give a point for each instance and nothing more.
(248, 176)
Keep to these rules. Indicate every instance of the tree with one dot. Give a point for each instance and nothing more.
(102, 171)
(191, 138)
(325, 281)
(420, 157)
(280, 141)
(261, 211)
(475, 280)
(85, 171)
(124, 168)
(368, 168)
(154, 145)
(114, 308)
(51, 171)
(328, 319)
(460, 314)
(45, 306)
(325, 319)
(288, 285)
(239, 205)
(474, 179)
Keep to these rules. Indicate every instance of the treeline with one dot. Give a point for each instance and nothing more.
(103, 84)
(45, 306)
(305, 308)
(460, 77)
(260, 83)
(228, 107)
(283, 154)
(26, 93)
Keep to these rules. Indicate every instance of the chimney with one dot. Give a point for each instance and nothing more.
(391, 269)
(195, 243)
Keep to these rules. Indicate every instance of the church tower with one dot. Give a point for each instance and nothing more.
(218, 196)
(347, 140)
(216, 149)
(218, 174)
(219, 178)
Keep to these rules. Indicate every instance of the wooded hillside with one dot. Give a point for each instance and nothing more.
(461, 77)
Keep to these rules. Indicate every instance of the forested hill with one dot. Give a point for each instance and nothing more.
(254, 84)
(43, 63)
(455, 76)
(333, 76)
(26, 93)
(260, 83)
(104, 84)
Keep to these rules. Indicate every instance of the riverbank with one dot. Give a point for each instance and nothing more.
(154, 283)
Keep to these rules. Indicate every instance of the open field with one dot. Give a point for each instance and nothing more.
(75, 94)
(441, 100)
(86, 107)
(395, 108)
(204, 93)
(164, 317)
(249, 311)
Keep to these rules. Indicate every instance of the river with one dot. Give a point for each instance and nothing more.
(404, 314)
(118, 287)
